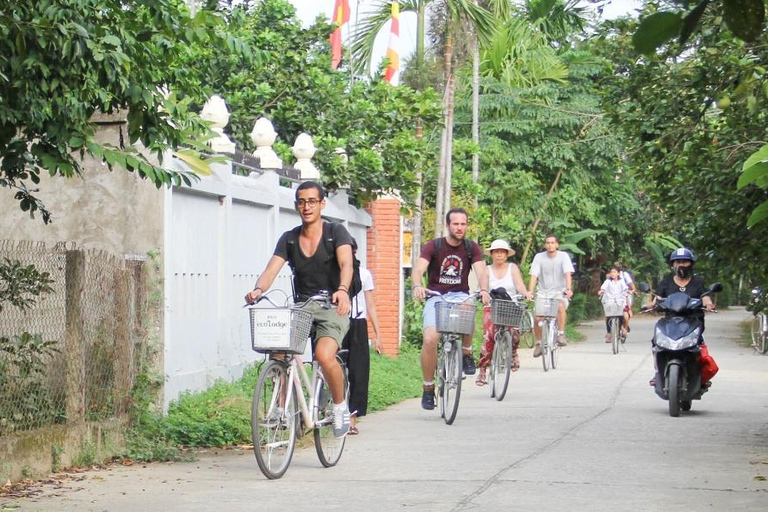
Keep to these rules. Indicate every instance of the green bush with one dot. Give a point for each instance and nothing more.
(394, 379)
(221, 415)
(412, 320)
(584, 307)
(218, 416)
(726, 296)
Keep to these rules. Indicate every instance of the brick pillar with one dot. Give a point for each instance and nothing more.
(383, 260)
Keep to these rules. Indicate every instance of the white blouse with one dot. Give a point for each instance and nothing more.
(505, 281)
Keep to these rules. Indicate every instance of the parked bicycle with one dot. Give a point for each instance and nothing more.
(759, 325)
(614, 314)
(507, 317)
(287, 402)
(454, 320)
(527, 336)
(546, 306)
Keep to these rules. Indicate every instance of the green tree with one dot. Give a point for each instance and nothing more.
(293, 85)
(690, 121)
(61, 61)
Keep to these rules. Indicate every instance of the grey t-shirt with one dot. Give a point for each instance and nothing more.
(551, 271)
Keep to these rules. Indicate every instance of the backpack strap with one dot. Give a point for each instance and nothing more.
(292, 248)
(329, 238)
(435, 256)
(439, 245)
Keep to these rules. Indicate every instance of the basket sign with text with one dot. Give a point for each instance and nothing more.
(272, 328)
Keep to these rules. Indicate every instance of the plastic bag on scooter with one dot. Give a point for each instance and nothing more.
(708, 365)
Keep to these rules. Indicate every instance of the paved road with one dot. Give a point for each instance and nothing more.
(590, 436)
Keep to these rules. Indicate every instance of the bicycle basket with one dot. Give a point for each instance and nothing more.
(507, 312)
(546, 306)
(270, 330)
(455, 318)
(613, 308)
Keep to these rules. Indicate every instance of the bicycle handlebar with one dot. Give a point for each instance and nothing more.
(433, 293)
(323, 298)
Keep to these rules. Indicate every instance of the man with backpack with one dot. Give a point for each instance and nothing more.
(320, 255)
(447, 261)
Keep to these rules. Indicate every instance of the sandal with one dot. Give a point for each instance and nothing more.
(353, 431)
(515, 361)
(481, 380)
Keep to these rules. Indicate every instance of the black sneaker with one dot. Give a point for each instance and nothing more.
(469, 364)
(428, 399)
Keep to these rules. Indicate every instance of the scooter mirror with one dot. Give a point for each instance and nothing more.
(644, 287)
(715, 287)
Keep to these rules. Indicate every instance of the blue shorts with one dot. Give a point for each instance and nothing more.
(428, 316)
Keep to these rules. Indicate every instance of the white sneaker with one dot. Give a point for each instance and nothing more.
(341, 422)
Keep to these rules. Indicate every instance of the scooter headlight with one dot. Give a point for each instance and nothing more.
(689, 340)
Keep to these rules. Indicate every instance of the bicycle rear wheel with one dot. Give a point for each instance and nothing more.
(274, 417)
(328, 446)
(545, 346)
(759, 334)
(615, 334)
(527, 336)
(501, 364)
(450, 387)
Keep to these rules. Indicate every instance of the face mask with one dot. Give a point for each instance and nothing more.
(684, 272)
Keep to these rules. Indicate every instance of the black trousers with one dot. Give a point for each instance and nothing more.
(358, 365)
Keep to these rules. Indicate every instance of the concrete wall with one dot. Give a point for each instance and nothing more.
(220, 234)
(116, 211)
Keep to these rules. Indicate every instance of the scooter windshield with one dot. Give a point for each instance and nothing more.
(680, 303)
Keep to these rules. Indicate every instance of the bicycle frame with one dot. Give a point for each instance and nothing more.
(299, 376)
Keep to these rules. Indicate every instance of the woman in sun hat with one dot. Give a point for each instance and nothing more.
(501, 274)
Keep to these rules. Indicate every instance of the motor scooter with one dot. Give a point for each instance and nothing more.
(676, 348)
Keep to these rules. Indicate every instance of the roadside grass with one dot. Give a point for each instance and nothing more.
(745, 340)
(221, 415)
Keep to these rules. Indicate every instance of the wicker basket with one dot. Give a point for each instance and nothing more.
(455, 318)
(507, 312)
(546, 306)
(613, 308)
(270, 329)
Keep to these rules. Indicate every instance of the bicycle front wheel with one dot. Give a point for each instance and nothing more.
(502, 363)
(328, 446)
(755, 329)
(545, 346)
(274, 417)
(527, 336)
(554, 348)
(759, 335)
(615, 334)
(451, 378)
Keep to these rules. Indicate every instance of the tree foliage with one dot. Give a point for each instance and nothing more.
(62, 61)
(690, 121)
(294, 86)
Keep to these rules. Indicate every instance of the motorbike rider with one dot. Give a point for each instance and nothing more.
(684, 280)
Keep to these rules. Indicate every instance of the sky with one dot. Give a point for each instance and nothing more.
(308, 10)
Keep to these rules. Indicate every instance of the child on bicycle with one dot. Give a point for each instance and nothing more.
(614, 289)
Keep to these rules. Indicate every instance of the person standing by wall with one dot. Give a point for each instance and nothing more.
(356, 341)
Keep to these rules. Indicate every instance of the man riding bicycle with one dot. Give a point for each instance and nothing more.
(552, 270)
(448, 261)
(316, 271)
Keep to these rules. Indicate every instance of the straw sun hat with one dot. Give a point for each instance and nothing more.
(500, 244)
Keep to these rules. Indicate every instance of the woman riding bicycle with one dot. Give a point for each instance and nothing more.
(506, 275)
